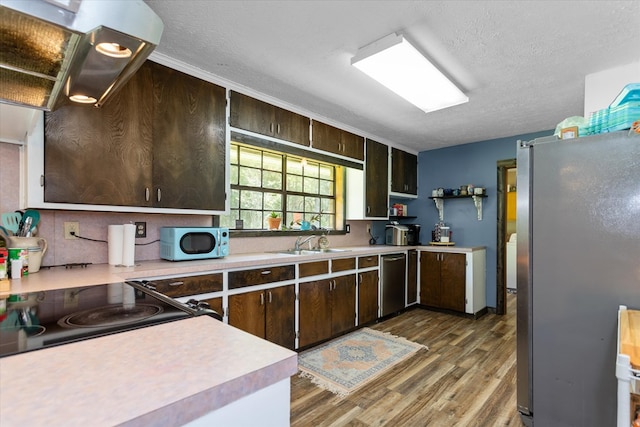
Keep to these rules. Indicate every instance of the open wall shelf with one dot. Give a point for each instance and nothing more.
(477, 201)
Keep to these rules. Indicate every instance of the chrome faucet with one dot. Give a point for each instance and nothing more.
(298, 242)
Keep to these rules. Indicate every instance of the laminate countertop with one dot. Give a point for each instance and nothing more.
(96, 274)
(163, 375)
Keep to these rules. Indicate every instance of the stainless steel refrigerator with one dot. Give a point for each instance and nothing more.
(578, 259)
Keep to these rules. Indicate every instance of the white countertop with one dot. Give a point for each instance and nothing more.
(95, 274)
(162, 375)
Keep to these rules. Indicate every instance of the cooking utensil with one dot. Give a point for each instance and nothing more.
(11, 221)
(25, 226)
(35, 218)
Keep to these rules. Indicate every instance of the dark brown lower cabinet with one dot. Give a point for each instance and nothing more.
(367, 297)
(442, 280)
(268, 314)
(327, 308)
(412, 277)
(216, 305)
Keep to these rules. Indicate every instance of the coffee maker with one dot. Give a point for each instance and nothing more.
(413, 235)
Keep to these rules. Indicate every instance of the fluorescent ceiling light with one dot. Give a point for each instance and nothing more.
(395, 63)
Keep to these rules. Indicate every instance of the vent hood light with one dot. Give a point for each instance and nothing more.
(83, 99)
(113, 50)
(399, 66)
(51, 49)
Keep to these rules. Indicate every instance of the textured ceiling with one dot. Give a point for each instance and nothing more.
(522, 63)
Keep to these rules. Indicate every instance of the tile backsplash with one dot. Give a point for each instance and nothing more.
(93, 225)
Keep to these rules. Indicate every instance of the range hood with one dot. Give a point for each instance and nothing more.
(84, 50)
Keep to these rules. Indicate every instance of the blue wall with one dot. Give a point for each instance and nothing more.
(451, 167)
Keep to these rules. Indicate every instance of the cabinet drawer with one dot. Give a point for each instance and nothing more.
(192, 285)
(259, 276)
(313, 268)
(342, 264)
(367, 261)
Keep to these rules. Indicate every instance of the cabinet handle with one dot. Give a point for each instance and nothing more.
(147, 194)
(278, 128)
(262, 298)
(270, 297)
(270, 127)
(360, 282)
(159, 194)
(265, 272)
(176, 283)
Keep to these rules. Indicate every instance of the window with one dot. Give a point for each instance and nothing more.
(304, 192)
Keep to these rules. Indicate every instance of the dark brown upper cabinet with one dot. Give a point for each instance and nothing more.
(404, 172)
(260, 117)
(160, 143)
(337, 141)
(376, 171)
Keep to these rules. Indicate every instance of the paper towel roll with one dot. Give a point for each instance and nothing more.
(115, 237)
(115, 293)
(128, 297)
(129, 245)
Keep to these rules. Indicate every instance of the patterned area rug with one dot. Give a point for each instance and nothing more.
(347, 363)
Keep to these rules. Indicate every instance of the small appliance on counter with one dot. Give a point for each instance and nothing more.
(189, 243)
(396, 234)
(441, 235)
(413, 235)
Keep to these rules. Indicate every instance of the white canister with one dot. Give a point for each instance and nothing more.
(35, 259)
(16, 268)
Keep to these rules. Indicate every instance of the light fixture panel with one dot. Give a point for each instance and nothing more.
(398, 65)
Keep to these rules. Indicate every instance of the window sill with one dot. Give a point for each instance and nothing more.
(278, 233)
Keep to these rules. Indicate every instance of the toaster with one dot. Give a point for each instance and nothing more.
(396, 235)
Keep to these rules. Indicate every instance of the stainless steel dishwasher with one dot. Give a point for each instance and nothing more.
(394, 267)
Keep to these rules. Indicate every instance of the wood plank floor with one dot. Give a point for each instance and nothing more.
(466, 378)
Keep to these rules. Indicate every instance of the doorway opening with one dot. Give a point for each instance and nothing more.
(505, 262)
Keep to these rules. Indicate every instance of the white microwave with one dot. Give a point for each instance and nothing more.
(190, 243)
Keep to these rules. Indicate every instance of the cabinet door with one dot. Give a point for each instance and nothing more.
(337, 141)
(247, 312)
(412, 277)
(251, 114)
(292, 127)
(343, 304)
(188, 141)
(430, 278)
(315, 312)
(216, 305)
(325, 137)
(404, 172)
(280, 316)
(367, 297)
(452, 277)
(352, 145)
(102, 156)
(376, 180)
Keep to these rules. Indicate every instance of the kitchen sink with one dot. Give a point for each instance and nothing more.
(309, 251)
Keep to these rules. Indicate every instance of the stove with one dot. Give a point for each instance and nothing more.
(38, 320)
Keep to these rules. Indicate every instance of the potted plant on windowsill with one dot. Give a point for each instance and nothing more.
(273, 220)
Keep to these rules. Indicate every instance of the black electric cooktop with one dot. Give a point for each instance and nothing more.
(43, 319)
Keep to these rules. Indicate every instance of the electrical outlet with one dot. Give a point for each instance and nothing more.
(347, 228)
(368, 228)
(70, 298)
(141, 229)
(71, 227)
